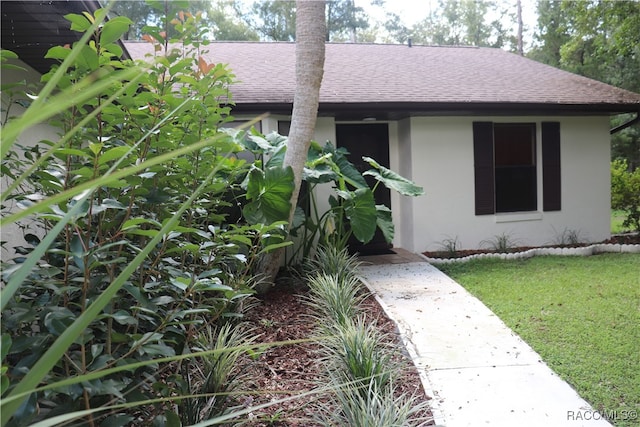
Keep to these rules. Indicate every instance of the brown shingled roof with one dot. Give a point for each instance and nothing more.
(412, 79)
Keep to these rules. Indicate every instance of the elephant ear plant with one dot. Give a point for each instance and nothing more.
(131, 252)
(352, 207)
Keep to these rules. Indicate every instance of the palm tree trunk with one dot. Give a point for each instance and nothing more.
(310, 46)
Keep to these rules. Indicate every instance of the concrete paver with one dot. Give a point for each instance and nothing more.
(477, 370)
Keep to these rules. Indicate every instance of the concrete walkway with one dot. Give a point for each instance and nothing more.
(478, 371)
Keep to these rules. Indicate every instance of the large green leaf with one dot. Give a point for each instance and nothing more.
(79, 23)
(319, 175)
(113, 29)
(270, 194)
(319, 167)
(360, 210)
(392, 180)
(385, 222)
(348, 170)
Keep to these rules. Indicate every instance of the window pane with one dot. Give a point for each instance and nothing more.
(514, 144)
(515, 167)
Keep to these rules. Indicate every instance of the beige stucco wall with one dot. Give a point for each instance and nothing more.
(442, 162)
(437, 153)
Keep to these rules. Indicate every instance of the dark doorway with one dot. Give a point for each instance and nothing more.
(371, 140)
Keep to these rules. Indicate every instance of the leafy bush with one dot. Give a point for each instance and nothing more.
(625, 192)
(132, 252)
(352, 208)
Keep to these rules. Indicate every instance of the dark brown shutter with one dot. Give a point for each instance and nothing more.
(483, 167)
(551, 178)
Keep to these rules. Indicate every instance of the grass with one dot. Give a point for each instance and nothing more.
(582, 315)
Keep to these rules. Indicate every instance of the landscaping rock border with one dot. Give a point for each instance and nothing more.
(577, 251)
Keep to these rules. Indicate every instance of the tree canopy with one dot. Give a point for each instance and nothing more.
(598, 39)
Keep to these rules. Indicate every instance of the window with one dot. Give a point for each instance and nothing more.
(514, 149)
(506, 170)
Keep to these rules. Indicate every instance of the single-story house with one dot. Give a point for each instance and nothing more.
(502, 145)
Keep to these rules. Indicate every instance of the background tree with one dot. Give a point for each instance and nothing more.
(551, 33)
(225, 19)
(226, 22)
(274, 20)
(456, 22)
(139, 12)
(344, 19)
(396, 28)
(597, 39)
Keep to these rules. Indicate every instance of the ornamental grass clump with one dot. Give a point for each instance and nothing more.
(211, 380)
(360, 370)
(330, 260)
(355, 353)
(373, 407)
(335, 299)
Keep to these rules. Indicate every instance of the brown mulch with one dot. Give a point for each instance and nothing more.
(289, 370)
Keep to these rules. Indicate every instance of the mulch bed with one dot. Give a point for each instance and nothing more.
(622, 239)
(293, 369)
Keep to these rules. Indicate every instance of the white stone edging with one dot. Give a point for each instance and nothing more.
(579, 251)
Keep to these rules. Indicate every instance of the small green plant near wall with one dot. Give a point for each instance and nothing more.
(625, 193)
(500, 243)
(450, 246)
(568, 236)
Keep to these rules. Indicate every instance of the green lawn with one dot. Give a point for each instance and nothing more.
(581, 314)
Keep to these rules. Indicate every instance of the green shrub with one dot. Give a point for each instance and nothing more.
(625, 192)
(132, 252)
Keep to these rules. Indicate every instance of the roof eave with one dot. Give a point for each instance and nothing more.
(398, 110)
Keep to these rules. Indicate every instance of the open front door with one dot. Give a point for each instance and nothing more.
(371, 140)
